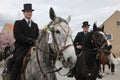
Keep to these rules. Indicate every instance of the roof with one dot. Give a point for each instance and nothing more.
(8, 26)
(111, 16)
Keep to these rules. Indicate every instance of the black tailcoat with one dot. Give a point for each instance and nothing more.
(22, 33)
(79, 40)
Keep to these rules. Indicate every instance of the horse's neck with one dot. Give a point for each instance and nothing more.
(45, 57)
(48, 66)
(90, 58)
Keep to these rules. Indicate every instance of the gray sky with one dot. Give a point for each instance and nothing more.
(80, 10)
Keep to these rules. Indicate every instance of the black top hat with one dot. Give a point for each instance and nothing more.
(28, 7)
(85, 23)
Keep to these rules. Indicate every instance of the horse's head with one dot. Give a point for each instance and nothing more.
(62, 42)
(99, 38)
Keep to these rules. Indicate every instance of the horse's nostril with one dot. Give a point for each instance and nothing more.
(69, 59)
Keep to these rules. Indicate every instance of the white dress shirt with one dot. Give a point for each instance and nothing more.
(27, 22)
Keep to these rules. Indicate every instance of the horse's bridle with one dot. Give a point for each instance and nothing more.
(103, 44)
(56, 47)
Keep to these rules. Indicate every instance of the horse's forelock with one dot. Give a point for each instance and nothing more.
(99, 29)
(102, 33)
(57, 20)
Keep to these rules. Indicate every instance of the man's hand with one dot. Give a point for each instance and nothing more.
(31, 41)
(79, 46)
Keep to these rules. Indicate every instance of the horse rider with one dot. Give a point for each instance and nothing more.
(79, 41)
(25, 34)
(80, 37)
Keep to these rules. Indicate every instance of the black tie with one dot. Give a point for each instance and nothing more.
(29, 23)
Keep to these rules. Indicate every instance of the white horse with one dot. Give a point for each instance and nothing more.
(40, 64)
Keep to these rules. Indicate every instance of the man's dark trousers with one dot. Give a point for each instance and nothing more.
(20, 53)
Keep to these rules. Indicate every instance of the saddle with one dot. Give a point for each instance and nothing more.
(27, 58)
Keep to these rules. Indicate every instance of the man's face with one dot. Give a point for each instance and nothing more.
(27, 14)
(86, 28)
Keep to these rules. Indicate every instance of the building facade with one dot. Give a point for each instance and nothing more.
(6, 35)
(112, 29)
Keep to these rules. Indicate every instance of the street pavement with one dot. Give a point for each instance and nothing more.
(107, 76)
(116, 76)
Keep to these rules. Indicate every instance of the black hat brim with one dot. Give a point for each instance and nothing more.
(27, 10)
(85, 25)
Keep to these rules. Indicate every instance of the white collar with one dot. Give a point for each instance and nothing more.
(85, 32)
(27, 20)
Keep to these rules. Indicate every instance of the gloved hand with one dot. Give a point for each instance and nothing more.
(31, 41)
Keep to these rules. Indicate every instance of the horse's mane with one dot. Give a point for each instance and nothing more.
(42, 34)
(42, 39)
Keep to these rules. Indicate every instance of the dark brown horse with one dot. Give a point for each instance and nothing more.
(105, 61)
(87, 65)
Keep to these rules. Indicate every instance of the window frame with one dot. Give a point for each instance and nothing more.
(110, 35)
(118, 23)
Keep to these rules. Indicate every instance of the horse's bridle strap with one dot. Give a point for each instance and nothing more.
(59, 51)
(65, 47)
(41, 49)
(43, 73)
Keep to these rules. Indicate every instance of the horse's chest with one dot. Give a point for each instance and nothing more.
(89, 72)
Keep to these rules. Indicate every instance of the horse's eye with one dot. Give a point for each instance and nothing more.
(57, 31)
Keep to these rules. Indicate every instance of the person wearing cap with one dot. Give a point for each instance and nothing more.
(80, 37)
(25, 34)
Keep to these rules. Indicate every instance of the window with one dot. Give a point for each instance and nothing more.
(109, 36)
(118, 23)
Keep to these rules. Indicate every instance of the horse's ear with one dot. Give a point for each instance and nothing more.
(68, 19)
(52, 14)
(94, 27)
(102, 28)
